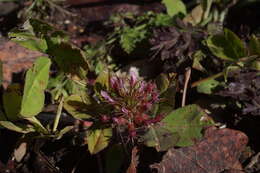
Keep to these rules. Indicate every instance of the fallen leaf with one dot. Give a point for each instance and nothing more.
(218, 151)
(15, 59)
(233, 171)
(20, 151)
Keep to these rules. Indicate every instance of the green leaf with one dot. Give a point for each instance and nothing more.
(254, 45)
(63, 131)
(197, 57)
(38, 35)
(20, 128)
(2, 115)
(188, 122)
(256, 65)
(227, 46)
(159, 137)
(56, 86)
(102, 81)
(175, 7)
(162, 82)
(38, 27)
(167, 103)
(76, 106)
(76, 88)
(161, 19)
(98, 139)
(36, 81)
(70, 59)
(229, 69)
(43, 30)
(12, 99)
(29, 41)
(114, 158)
(130, 37)
(37, 125)
(237, 45)
(195, 16)
(206, 4)
(207, 86)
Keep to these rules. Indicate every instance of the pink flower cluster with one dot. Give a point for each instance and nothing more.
(132, 100)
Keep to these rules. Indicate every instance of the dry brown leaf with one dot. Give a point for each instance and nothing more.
(20, 151)
(233, 171)
(15, 59)
(102, 11)
(218, 151)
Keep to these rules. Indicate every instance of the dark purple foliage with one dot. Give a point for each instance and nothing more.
(176, 44)
(244, 86)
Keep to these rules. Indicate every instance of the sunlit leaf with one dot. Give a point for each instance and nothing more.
(206, 4)
(20, 128)
(256, 65)
(102, 81)
(195, 16)
(207, 86)
(29, 41)
(37, 125)
(35, 83)
(130, 37)
(254, 45)
(98, 139)
(63, 131)
(175, 7)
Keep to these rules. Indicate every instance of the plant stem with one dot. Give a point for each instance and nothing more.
(51, 3)
(187, 78)
(194, 84)
(57, 118)
(100, 166)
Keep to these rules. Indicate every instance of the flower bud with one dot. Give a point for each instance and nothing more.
(107, 97)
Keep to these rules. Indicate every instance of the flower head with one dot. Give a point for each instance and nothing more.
(107, 97)
(132, 101)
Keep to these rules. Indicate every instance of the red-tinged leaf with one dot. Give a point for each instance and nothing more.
(98, 139)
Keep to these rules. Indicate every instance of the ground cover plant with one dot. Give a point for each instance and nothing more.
(169, 86)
